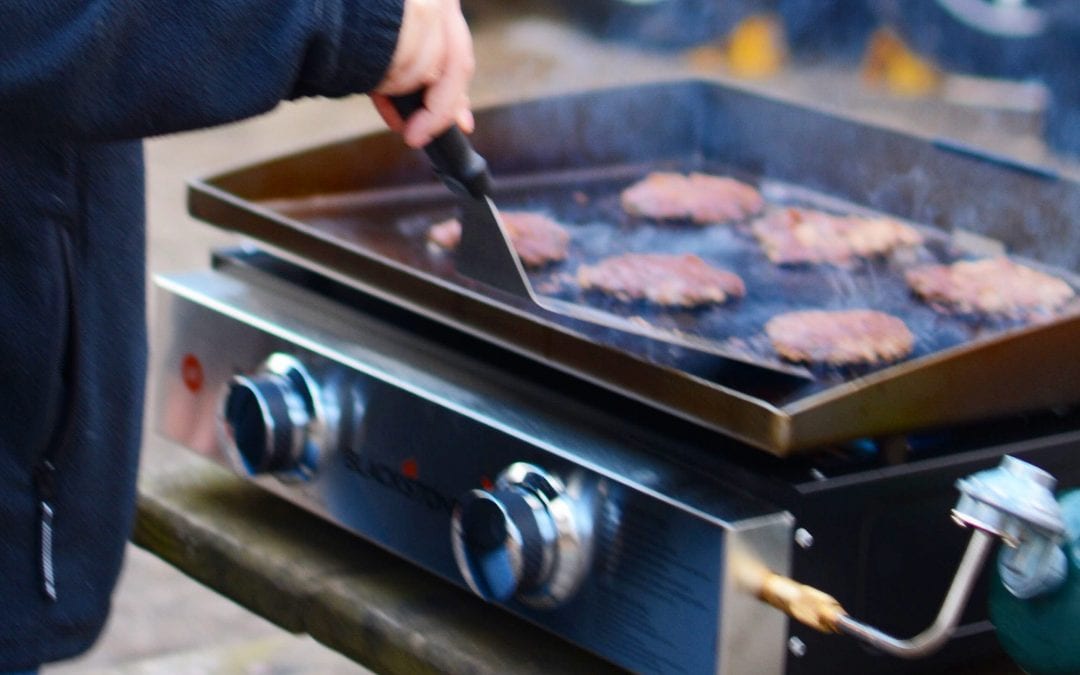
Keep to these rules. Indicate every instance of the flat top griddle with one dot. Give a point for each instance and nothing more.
(360, 210)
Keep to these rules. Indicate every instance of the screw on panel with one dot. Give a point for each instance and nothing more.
(796, 646)
(803, 538)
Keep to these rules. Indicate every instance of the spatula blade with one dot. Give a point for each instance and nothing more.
(486, 252)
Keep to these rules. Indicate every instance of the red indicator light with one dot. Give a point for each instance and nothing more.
(486, 483)
(410, 469)
(191, 372)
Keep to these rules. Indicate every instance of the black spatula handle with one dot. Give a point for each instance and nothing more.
(455, 161)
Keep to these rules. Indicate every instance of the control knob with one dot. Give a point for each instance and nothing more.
(272, 421)
(526, 538)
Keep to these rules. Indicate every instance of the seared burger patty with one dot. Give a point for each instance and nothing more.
(993, 286)
(538, 240)
(675, 280)
(793, 236)
(840, 338)
(700, 197)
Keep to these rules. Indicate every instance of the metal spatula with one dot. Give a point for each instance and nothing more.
(487, 254)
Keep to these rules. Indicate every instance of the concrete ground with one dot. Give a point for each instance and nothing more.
(165, 623)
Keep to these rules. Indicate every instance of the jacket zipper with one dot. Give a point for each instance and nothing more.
(45, 484)
(44, 472)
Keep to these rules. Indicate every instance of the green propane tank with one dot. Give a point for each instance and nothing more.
(1042, 634)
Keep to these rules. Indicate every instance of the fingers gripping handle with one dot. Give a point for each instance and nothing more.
(455, 161)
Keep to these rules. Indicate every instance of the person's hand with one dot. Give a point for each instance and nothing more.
(434, 51)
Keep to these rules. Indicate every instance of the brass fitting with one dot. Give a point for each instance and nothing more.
(803, 603)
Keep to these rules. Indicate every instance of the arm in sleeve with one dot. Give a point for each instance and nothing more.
(111, 69)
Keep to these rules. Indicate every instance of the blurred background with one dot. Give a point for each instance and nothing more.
(1000, 75)
(1003, 55)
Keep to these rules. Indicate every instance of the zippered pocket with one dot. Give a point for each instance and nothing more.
(44, 471)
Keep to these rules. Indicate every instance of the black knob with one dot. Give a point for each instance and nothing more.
(503, 541)
(265, 418)
(529, 538)
(274, 420)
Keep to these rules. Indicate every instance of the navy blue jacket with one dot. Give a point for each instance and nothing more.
(81, 81)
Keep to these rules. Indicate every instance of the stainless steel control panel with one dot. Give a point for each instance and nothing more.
(528, 497)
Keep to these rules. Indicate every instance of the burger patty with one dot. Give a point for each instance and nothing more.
(538, 240)
(992, 286)
(794, 235)
(700, 197)
(674, 280)
(840, 338)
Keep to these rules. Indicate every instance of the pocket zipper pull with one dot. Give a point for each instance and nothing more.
(44, 481)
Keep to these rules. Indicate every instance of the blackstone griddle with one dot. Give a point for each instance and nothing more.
(358, 211)
(608, 488)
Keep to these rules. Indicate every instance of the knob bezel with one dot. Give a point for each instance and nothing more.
(304, 406)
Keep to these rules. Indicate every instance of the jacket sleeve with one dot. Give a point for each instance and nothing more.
(111, 69)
